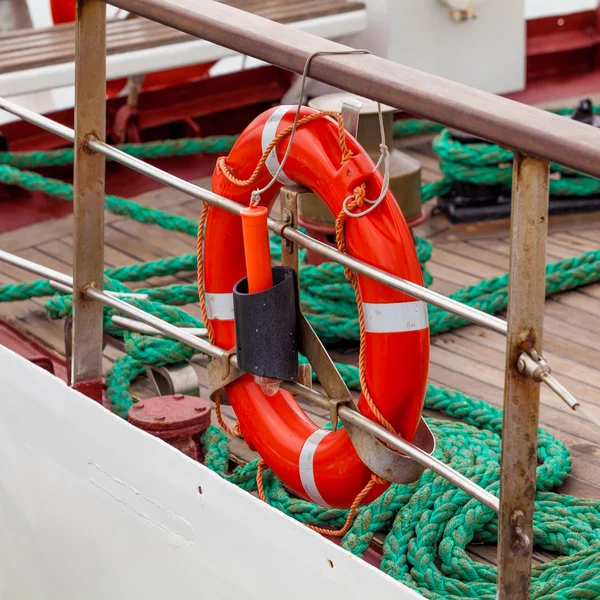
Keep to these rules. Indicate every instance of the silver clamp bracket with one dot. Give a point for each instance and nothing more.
(222, 372)
(385, 462)
(533, 365)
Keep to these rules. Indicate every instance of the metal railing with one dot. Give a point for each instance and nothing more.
(536, 137)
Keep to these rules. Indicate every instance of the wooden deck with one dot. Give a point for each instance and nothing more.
(470, 359)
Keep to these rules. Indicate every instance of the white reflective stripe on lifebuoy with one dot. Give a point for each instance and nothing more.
(396, 317)
(268, 135)
(219, 306)
(306, 467)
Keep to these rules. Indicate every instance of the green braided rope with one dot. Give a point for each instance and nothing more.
(179, 147)
(489, 164)
(114, 204)
(159, 149)
(328, 299)
(415, 127)
(161, 267)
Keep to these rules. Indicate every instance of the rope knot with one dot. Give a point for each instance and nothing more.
(359, 194)
(379, 480)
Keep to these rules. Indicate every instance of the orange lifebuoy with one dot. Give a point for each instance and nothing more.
(321, 466)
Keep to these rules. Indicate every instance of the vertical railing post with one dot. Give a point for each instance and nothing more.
(88, 209)
(529, 226)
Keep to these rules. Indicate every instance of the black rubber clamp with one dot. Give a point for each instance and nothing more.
(266, 327)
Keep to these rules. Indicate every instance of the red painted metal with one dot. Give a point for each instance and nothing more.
(562, 45)
(396, 363)
(179, 420)
(28, 348)
(559, 87)
(215, 106)
(19, 208)
(220, 105)
(94, 389)
(563, 58)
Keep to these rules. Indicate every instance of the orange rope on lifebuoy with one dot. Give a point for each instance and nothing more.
(346, 154)
(375, 480)
(235, 432)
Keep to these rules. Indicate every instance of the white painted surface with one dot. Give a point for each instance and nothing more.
(166, 57)
(487, 53)
(307, 468)
(269, 133)
(397, 317)
(219, 306)
(535, 9)
(93, 508)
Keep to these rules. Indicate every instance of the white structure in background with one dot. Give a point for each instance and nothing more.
(535, 9)
(487, 52)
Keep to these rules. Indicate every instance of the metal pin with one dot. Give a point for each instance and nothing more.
(61, 287)
(140, 327)
(533, 365)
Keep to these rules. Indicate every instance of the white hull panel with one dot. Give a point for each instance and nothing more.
(93, 508)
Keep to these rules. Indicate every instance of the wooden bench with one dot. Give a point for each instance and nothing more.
(38, 59)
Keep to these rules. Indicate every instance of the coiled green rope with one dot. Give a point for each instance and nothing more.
(151, 150)
(489, 164)
(428, 524)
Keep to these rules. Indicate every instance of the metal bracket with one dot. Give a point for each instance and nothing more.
(520, 542)
(221, 373)
(310, 345)
(386, 462)
(531, 364)
(351, 114)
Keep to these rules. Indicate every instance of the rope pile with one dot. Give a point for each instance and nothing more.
(489, 164)
(428, 524)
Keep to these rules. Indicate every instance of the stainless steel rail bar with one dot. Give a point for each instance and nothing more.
(139, 327)
(526, 129)
(418, 455)
(279, 227)
(309, 394)
(412, 289)
(109, 300)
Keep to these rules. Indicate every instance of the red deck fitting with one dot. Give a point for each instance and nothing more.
(179, 420)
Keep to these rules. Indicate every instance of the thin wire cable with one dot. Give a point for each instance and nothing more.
(256, 194)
